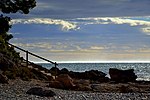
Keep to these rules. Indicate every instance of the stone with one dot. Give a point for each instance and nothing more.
(3, 78)
(56, 84)
(94, 75)
(82, 87)
(119, 75)
(54, 71)
(66, 81)
(40, 92)
(64, 71)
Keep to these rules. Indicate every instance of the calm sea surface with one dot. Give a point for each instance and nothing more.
(142, 70)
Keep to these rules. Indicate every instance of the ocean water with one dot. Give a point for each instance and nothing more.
(142, 70)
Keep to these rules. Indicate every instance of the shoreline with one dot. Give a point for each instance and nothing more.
(16, 90)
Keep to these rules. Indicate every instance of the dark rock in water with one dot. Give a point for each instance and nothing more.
(54, 71)
(3, 78)
(94, 74)
(118, 75)
(64, 71)
(91, 75)
(40, 92)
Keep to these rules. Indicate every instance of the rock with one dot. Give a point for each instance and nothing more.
(63, 81)
(94, 75)
(118, 75)
(66, 81)
(81, 81)
(40, 92)
(56, 84)
(3, 78)
(39, 75)
(64, 71)
(82, 87)
(54, 71)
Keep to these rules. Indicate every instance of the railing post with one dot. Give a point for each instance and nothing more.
(27, 58)
(55, 70)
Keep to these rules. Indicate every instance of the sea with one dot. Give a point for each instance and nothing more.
(142, 70)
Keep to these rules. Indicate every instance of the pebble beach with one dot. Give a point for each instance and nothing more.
(16, 90)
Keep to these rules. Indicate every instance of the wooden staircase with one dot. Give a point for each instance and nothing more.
(29, 64)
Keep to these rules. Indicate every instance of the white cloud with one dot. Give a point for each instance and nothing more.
(97, 48)
(117, 20)
(41, 45)
(13, 33)
(64, 24)
(146, 30)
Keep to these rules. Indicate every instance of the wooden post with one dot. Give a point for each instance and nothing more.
(55, 70)
(27, 58)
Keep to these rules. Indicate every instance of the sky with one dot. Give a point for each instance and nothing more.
(85, 30)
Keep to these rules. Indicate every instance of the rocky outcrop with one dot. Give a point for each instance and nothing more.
(40, 92)
(119, 75)
(94, 75)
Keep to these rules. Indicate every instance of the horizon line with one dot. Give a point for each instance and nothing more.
(95, 62)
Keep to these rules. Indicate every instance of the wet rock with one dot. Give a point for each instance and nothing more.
(40, 92)
(118, 75)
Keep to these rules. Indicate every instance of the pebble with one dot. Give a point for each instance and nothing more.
(16, 90)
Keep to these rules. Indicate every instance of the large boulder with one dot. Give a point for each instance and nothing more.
(63, 81)
(66, 81)
(40, 92)
(119, 75)
(3, 78)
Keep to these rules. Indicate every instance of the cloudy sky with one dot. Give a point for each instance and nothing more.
(85, 30)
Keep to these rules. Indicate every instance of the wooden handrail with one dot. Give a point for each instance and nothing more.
(35, 55)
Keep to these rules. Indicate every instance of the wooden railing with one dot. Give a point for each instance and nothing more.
(35, 55)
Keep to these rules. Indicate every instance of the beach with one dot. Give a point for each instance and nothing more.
(16, 90)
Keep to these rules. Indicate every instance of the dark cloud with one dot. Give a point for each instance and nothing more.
(87, 8)
(91, 8)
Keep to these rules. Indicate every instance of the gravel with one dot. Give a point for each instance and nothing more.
(16, 90)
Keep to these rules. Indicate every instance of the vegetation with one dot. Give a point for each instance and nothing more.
(11, 6)
(10, 59)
